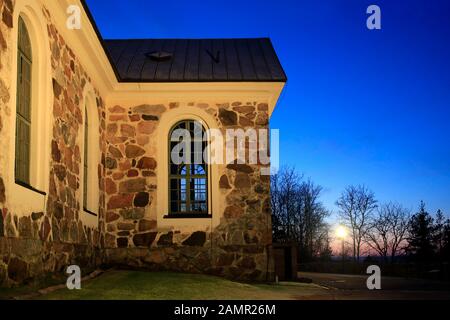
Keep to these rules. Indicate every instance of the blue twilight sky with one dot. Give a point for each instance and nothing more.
(360, 106)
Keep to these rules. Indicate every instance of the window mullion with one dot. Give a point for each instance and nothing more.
(188, 172)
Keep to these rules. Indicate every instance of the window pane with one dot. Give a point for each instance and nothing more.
(24, 40)
(22, 150)
(173, 184)
(183, 190)
(199, 169)
(174, 207)
(24, 88)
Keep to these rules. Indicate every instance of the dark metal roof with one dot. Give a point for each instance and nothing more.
(199, 60)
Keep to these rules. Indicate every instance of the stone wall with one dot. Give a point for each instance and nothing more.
(6, 11)
(65, 194)
(236, 248)
(40, 242)
(24, 260)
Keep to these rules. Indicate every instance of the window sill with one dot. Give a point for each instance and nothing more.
(188, 216)
(90, 212)
(27, 186)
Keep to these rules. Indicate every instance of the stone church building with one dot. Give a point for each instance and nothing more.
(86, 176)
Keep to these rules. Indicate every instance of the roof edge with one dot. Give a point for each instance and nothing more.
(100, 38)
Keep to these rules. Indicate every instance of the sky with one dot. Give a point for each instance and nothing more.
(360, 107)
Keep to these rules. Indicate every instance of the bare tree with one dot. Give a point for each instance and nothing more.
(323, 242)
(400, 219)
(311, 219)
(298, 214)
(356, 205)
(284, 187)
(377, 234)
(388, 229)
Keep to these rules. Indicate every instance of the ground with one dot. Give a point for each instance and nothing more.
(136, 285)
(347, 287)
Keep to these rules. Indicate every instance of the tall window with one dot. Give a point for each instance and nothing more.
(85, 160)
(188, 178)
(90, 159)
(23, 113)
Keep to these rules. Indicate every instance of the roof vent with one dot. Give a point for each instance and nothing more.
(159, 56)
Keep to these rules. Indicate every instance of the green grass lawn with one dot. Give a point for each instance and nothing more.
(135, 285)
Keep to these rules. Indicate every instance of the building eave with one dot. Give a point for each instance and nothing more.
(140, 93)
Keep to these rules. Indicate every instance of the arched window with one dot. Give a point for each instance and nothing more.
(29, 147)
(23, 109)
(188, 170)
(91, 158)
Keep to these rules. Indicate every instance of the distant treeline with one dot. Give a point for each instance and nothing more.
(388, 229)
